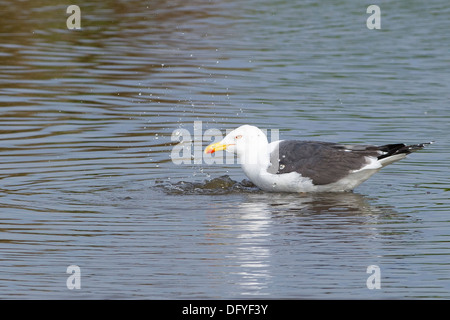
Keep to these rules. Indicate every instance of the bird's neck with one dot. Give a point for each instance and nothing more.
(255, 158)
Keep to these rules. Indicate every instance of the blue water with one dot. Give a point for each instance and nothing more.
(86, 124)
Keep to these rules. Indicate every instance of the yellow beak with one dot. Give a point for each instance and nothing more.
(215, 147)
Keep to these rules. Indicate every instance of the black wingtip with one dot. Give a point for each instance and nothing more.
(393, 149)
(419, 146)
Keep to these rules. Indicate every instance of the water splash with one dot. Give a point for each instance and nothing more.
(217, 186)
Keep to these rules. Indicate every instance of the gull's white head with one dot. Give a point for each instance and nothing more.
(245, 141)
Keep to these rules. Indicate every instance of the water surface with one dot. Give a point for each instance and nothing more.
(86, 176)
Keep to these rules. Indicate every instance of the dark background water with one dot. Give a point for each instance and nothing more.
(86, 177)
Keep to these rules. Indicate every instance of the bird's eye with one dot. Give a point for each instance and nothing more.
(238, 136)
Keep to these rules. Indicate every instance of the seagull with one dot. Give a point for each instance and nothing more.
(307, 166)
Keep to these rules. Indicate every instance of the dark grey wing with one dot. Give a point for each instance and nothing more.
(322, 162)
